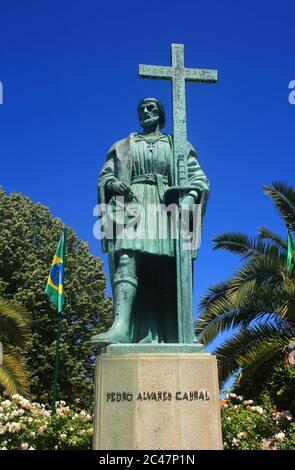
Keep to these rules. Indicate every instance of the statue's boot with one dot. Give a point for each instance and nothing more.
(125, 288)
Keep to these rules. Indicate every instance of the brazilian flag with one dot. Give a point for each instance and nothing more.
(54, 288)
(291, 251)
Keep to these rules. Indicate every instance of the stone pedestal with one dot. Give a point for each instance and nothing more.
(164, 400)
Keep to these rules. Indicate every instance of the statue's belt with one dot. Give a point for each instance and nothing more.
(152, 178)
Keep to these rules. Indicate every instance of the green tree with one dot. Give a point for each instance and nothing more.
(257, 304)
(14, 331)
(28, 239)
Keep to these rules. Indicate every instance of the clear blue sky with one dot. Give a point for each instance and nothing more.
(69, 73)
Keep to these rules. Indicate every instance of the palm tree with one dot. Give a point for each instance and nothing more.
(14, 331)
(257, 304)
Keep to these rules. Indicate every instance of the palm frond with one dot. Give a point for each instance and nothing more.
(219, 312)
(231, 352)
(266, 234)
(238, 243)
(288, 301)
(12, 374)
(283, 197)
(241, 317)
(214, 293)
(255, 274)
(262, 353)
(14, 322)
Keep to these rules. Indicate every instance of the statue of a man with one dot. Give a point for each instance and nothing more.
(140, 169)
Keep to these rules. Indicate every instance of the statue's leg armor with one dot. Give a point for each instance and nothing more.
(124, 291)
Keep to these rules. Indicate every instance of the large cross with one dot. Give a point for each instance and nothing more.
(179, 74)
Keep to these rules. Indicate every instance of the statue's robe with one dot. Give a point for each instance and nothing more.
(147, 231)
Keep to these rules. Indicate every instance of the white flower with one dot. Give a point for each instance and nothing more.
(31, 448)
(240, 398)
(86, 418)
(280, 436)
(5, 403)
(42, 429)
(55, 447)
(13, 427)
(24, 403)
(241, 434)
(233, 395)
(248, 402)
(228, 418)
(61, 403)
(235, 441)
(32, 434)
(17, 397)
(63, 436)
(30, 420)
(259, 410)
(25, 446)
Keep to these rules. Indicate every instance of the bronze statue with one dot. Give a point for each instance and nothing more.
(143, 271)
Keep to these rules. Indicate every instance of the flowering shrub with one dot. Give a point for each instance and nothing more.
(249, 427)
(30, 426)
(287, 439)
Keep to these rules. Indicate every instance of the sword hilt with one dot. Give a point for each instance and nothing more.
(182, 170)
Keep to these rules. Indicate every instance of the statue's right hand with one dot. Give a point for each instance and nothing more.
(118, 187)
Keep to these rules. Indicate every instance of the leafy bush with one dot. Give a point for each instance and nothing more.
(249, 427)
(30, 426)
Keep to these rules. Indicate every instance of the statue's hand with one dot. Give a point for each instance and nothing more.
(188, 204)
(118, 187)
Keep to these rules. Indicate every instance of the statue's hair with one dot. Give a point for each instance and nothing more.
(160, 107)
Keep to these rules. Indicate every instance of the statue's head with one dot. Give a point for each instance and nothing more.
(150, 111)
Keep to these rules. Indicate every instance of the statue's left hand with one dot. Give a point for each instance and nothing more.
(188, 203)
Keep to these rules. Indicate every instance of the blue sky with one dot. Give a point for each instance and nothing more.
(69, 75)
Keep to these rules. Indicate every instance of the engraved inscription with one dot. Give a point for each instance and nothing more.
(159, 396)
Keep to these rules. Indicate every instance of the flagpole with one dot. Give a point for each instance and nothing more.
(56, 366)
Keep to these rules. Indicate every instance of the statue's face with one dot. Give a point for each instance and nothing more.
(149, 114)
